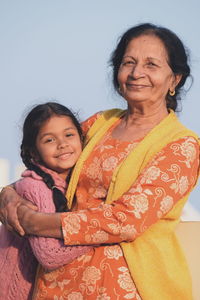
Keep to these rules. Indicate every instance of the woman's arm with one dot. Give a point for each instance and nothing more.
(51, 253)
(169, 176)
(40, 224)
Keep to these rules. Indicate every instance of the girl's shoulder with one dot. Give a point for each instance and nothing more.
(29, 183)
(36, 192)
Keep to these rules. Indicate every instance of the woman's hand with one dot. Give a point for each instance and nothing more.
(9, 203)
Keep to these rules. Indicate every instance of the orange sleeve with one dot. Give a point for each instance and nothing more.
(170, 175)
(89, 122)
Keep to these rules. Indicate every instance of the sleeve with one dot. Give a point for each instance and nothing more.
(89, 122)
(51, 253)
(170, 175)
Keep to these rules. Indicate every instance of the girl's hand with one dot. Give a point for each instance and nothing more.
(9, 203)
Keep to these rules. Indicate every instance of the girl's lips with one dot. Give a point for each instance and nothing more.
(64, 155)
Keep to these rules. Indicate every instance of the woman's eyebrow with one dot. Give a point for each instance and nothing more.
(153, 58)
(126, 56)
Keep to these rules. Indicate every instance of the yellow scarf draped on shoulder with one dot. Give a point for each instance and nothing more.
(155, 260)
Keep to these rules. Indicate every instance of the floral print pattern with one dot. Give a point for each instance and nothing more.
(114, 252)
(91, 275)
(151, 174)
(126, 283)
(186, 149)
(102, 273)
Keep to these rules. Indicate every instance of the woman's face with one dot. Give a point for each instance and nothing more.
(144, 74)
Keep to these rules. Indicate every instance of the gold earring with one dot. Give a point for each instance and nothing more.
(172, 93)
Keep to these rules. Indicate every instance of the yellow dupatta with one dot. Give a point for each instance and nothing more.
(155, 260)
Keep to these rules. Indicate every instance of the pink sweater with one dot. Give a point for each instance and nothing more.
(19, 255)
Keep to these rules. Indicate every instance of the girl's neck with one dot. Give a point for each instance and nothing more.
(53, 172)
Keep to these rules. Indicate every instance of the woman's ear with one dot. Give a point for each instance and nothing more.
(177, 79)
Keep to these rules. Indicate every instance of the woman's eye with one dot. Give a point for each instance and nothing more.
(128, 63)
(151, 64)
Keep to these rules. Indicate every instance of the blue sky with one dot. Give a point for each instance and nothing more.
(59, 50)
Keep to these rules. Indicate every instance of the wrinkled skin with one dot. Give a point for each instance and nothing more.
(10, 201)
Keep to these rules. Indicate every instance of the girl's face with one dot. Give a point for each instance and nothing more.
(58, 144)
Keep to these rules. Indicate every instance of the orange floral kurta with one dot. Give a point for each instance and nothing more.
(103, 273)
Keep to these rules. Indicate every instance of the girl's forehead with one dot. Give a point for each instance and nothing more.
(57, 121)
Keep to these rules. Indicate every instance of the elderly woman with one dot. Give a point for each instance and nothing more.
(131, 182)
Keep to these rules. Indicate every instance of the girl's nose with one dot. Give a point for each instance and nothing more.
(62, 144)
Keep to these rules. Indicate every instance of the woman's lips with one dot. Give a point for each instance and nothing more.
(136, 86)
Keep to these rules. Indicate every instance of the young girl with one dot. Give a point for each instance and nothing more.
(51, 145)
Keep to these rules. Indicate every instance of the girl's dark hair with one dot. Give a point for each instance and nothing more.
(32, 124)
(178, 58)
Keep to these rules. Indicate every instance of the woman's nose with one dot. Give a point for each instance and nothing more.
(137, 71)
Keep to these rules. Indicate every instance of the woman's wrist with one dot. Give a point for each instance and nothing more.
(48, 225)
(40, 224)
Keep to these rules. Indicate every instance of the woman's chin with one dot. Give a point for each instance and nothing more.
(135, 99)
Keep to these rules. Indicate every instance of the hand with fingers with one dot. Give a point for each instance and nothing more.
(10, 201)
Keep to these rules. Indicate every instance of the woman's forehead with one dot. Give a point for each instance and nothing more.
(146, 45)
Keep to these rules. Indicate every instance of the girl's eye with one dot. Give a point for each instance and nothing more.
(69, 134)
(49, 140)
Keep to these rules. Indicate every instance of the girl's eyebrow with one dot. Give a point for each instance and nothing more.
(51, 133)
(69, 128)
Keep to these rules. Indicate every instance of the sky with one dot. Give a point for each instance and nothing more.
(59, 50)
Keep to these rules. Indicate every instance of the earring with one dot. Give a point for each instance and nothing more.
(172, 93)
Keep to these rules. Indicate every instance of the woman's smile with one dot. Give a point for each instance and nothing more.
(135, 86)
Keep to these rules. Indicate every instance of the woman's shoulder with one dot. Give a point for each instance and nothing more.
(185, 149)
(87, 124)
(186, 143)
(90, 121)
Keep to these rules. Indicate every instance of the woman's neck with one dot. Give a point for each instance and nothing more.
(138, 122)
(142, 116)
